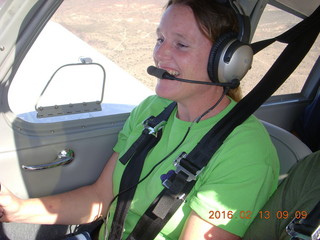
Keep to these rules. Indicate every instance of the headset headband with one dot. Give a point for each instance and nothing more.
(243, 19)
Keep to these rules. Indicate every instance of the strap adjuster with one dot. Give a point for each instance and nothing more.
(147, 124)
(179, 168)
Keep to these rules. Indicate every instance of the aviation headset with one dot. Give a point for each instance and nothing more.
(231, 55)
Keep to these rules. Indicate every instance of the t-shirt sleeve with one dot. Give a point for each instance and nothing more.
(126, 132)
(123, 136)
(237, 182)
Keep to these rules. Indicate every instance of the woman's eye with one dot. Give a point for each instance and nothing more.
(159, 40)
(181, 45)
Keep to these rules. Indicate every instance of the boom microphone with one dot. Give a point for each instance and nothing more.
(163, 74)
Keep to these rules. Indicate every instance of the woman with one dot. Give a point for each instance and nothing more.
(238, 180)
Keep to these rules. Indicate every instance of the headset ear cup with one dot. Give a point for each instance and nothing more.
(236, 62)
(215, 55)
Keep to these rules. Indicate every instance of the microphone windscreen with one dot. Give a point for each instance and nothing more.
(157, 72)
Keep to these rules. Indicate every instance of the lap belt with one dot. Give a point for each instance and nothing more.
(188, 166)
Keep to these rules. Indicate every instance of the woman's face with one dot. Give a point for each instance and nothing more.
(183, 51)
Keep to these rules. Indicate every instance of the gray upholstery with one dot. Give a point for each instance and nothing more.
(290, 148)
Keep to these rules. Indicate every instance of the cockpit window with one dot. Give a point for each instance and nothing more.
(120, 36)
(115, 35)
(273, 22)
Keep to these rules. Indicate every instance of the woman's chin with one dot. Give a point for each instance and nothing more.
(164, 95)
(164, 86)
(165, 92)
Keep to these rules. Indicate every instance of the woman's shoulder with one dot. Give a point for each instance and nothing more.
(252, 131)
(252, 126)
(252, 139)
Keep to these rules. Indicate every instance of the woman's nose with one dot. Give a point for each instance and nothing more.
(162, 52)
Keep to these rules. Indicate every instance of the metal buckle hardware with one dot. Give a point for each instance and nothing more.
(153, 130)
(190, 176)
(167, 183)
(179, 168)
(290, 229)
(316, 234)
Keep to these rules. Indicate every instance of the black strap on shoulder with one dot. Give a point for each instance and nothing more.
(152, 126)
(189, 166)
(136, 154)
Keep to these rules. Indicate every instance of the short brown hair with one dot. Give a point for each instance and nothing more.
(213, 19)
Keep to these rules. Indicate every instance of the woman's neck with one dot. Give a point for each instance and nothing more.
(193, 110)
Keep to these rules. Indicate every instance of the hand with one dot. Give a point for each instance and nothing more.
(9, 204)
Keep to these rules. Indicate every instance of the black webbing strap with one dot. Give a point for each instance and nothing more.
(136, 154)
(307, 25)
(165, 205)
(190, 165)
(131, 177)
(152, 126)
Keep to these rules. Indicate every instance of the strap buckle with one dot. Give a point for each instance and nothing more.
(301, 231)
(147, 124)
(185, 173)
(179, 168)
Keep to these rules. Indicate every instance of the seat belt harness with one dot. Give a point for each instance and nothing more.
(152, 127)
(188, 166)
(134, 158)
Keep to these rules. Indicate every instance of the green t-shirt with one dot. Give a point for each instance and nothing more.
(229, 192)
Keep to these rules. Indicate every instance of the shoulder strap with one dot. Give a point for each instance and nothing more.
(136, 154)
(188, 166)
(152, 126)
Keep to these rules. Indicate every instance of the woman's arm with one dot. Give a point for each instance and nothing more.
(82, 205)
(197, 228)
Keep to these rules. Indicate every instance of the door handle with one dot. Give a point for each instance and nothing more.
(65, 157)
